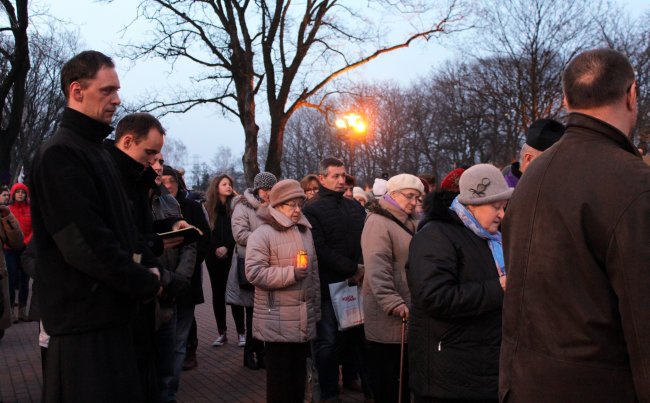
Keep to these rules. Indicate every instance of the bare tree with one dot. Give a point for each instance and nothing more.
(174, 152)
(14, 48)
(291, 51)
(44, 100)
(528, 43)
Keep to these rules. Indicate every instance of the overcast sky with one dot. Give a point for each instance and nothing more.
(202, 130)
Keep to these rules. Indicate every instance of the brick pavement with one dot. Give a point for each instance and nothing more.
(220, 376)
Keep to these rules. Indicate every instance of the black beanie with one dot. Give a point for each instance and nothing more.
(543, 133)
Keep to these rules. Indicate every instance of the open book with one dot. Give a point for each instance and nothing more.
(190, 234)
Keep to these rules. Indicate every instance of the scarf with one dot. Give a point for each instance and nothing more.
(494, 240)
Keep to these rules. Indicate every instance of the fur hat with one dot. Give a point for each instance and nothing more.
(543, 133)
(358, 192)
(450, 183)
(286, 190)
(379, 187)
(482, 184)
(264, 180)
(404, 181)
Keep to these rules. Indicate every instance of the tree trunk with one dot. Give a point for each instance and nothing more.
(249, 159)
(17, 77)
(274, 157)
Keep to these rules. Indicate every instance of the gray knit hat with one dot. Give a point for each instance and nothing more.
(481, 184)
(264, 180)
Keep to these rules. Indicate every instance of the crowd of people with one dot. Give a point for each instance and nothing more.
(452, 310)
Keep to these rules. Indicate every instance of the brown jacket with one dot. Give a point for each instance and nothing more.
(285, 310)
(12, 236)
(385, 246)
(576, 315)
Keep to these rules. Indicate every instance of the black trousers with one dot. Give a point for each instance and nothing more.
(286, 370)
(252, 344)
(97, 366)
(384, 360)
(218, 270)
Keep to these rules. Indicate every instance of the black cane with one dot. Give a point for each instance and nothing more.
(401, 361)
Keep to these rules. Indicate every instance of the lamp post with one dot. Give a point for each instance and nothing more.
(355, 128)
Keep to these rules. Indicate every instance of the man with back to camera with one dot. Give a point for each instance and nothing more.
(337, 223)
(576, 323)
(87, 246)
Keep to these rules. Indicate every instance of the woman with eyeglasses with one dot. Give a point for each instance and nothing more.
(457, 279)
(310, 185)
(385, 243)
(281, 264)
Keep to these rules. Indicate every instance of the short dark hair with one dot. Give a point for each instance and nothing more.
(328, 162)
(138, 124)
(81, 67)
(349, 180)
(597, 78)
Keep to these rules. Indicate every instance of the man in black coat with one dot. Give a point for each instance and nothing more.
(337, 223)
(88, 251)
(139, 137)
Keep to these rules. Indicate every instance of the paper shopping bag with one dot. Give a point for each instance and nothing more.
(346, 301)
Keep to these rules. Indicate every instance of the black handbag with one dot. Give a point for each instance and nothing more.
(244, 284)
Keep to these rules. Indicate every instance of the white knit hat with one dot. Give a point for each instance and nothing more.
(482, 184)
(379, 187)
(404, 181)
(358, 192)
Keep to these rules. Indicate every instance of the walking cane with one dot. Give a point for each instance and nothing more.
(401, 362)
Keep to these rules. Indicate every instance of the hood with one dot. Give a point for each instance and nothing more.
(248, 199)
(16, 186)
(279, 221)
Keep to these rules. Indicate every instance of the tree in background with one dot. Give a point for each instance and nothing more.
(44, 101)
(287, 50)
(14, 65)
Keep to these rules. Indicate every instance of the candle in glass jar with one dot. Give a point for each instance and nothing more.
(302, 259)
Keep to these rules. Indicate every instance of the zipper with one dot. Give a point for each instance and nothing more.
(270, 300)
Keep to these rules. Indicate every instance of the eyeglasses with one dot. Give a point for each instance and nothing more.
(295, 204)
(312, 190)
(412, 197)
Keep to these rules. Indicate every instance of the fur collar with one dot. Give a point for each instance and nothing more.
(386, 209)
(248, 199)
(279, 222)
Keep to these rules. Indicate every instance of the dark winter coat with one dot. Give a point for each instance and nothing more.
(455, 324)
(138, 183)
(194, 214)
(337, 223)
(576, 324)
(221, 236)
(84, 233)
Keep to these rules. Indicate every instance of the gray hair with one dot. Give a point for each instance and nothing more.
(325, 163)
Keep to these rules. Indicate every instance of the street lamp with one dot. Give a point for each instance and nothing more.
(355, 128)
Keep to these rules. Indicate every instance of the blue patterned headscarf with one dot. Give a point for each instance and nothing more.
(494, 240)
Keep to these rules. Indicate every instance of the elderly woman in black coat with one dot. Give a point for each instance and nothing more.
(457, 280)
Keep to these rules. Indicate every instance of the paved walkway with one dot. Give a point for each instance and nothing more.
(220, 376)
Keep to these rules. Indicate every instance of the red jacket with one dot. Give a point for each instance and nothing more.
(21, 211)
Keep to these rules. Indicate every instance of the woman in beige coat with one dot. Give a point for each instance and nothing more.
(287, 290)
(12, 236)
(386, 298)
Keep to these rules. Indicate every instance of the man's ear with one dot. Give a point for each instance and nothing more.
(127, 141)
(631, 97)
(321, 178)
(75, 91)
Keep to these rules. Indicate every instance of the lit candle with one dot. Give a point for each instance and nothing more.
(302, 260)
